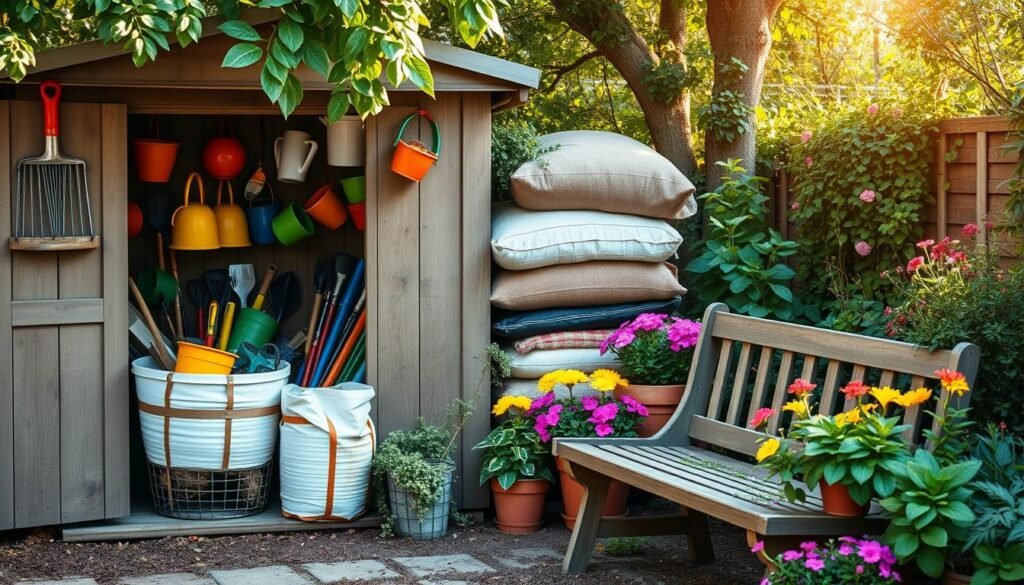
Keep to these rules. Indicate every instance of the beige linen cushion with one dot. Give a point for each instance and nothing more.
(584, 285)
(603, 171)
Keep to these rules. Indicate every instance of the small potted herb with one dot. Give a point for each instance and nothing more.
(655, 351)
(603, 415)
(517, 465)
(846, 561)
(413, 474)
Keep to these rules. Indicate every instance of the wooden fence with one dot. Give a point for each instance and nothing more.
(971, 176)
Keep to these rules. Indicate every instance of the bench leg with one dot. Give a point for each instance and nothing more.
(581, 545)
(699, 537)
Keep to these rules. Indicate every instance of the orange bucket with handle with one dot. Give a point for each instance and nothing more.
(413, 160)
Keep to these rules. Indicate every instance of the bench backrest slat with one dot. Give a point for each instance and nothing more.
(742, 364)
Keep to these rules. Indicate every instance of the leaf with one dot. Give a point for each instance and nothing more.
(355, 44)
(348, 7)
(496, 464)
(290, 34)
(931, 561)
(740, 284)
(935, 536)
(782, 292)
(272, 86)
(905, 545)
(242, 55)
(958, 513)
(337, 106)
(915, 510)
(291, 97)
(239, 29)
(418, 72)
(505, 480)
(314, 54)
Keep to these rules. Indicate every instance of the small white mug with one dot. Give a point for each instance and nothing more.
(293, 154)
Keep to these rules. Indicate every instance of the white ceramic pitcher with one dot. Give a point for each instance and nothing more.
(346, 142)
(293, 154)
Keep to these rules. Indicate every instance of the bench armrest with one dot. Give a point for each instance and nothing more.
(603, 442)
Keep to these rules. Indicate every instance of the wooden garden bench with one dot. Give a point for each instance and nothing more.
(703, 458)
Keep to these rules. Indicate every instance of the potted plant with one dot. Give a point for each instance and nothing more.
(846, 560)
(851, 456)
(993, 549)
(517, 465)
(603, 415)
(655, 351)
(412, 473)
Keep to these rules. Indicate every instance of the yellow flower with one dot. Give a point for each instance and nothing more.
(885, 395)
(849, 417)
(767, 449)
(568, 378)
(866, 408)
(797, 407)
(953, 381)
(914, 397)
(521, 403)
(607, 380)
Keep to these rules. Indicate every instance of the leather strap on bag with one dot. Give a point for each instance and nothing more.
(227, 423)
(167, 435)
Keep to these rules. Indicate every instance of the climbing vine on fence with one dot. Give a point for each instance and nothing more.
(860, 184)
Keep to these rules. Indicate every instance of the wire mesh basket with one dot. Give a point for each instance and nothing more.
(434, 521)
(206, 494)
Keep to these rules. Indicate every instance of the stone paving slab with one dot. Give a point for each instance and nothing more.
(426, 582)
(273, 575)
(525, 558)
(367, 570)
(439, 564)
(64, 581)
(169, 579)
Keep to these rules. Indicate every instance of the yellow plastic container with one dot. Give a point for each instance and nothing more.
(199, 359)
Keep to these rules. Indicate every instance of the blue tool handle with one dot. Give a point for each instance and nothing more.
(361, 373)
(353, 284)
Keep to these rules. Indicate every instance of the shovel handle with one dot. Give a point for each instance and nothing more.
(161, 355)
(50, 91)
(268, 276)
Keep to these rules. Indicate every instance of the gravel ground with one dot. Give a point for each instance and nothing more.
(39, 554)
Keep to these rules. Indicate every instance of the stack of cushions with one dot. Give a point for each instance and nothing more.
(583, 249)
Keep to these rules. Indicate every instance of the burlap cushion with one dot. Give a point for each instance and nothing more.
(603, 171)
(583, 285)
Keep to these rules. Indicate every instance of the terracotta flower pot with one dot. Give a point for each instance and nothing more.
(572, 496)
(952, 577)
(520, 508)
(661, 402)
(836, 501)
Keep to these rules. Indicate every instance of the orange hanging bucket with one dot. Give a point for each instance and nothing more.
(412, 160)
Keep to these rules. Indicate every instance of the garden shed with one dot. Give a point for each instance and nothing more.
(65, 404)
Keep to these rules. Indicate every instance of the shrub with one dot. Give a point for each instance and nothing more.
(968, 299)
(513, 450)
(860, 185)
(846, 561)
(512, 144)
(740, 261)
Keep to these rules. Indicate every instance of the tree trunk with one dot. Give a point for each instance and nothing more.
(738, 29)
(630, 54)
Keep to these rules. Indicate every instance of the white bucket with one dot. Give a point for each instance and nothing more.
(307, 468)
(346, 142)
(199, 443)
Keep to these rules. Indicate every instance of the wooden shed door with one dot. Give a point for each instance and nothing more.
(63, 335)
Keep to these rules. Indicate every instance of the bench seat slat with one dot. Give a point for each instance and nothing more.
(711, 499)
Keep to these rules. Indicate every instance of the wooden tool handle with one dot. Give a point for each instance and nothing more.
(161, 354)
(314, 316)
(268, 276)
(160, 251)
(179, 315)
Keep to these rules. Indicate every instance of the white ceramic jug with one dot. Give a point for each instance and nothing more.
(293, 153)
(346, 142)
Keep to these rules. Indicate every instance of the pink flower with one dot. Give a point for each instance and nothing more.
(648, 322)
(988, 223)
(872, 109)
(632, 405)
(915, 263)
(867, 196)
(761, 417)
(604, 413)
(806, 136)
(683, 334)
(603, 429)
(897, 112)
(814, 564)
(792, 555)
(845, 549)
(542, 401)
(923, 244)
(589, 403)
(795, 205)
(808, 161)
(758, 547)
(855, 389)
(969, 230)
(765, 581)
(884, 570)
(800, 387)
(870, 551)
(624, 338)
(863, 248)
(859, 570)
(808, 546)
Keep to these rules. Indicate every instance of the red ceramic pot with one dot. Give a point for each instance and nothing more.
(135, 219)
(836, 501)
(572, 496)
(520, 508)
(224, 158)
(661, 403)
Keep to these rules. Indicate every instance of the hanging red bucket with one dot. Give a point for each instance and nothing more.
(412, 160)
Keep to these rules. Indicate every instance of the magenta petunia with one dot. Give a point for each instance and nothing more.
(792, 555)
(758, 547)
(624, 338)
(604, 413)
(808, 546)
(648, 322)
(683, 334)
(814, 564)
(542, 401)
(870, 551)
(603, 429)
(845, 549)
(589, 402)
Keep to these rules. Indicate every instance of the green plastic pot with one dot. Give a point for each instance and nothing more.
(157, 286)
(292, 225)
(256, 327)
(355, 189)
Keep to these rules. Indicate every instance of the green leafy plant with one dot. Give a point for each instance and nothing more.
(861, 182)
(353, 44)
(513, 450)
(844, 561)
(998, 565)
(727, 115)
(513, 143)
(654, 348)
(626, 546)
(500, 365)
(418, 461)
(740, 260)
(929, 510)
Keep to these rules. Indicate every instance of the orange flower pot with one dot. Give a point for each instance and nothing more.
(411, 159)
(520, 508)
(199, 359)
(154, 159)
(661, 403)
(572, 496)
(326, 208)
(836, 501)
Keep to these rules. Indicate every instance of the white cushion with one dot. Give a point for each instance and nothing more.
(522, 239)
(535, 364)
(515, 387)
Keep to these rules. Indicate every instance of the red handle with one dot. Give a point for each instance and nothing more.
(50, 90)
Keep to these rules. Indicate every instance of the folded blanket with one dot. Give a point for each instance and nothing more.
(564, 340)
(537, 363)
(518, 324)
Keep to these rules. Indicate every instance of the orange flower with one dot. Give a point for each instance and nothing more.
(952, 381)
(855, 389)
(801, 387)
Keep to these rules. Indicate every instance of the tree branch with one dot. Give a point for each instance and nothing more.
(564, 70)
(672, 20)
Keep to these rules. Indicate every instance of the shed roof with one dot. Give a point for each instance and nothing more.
(499, 73)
